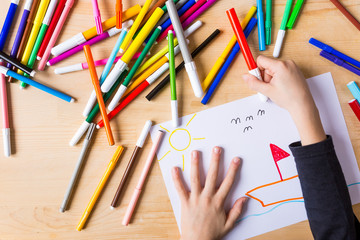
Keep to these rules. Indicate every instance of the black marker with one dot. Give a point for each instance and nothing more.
(17, 64)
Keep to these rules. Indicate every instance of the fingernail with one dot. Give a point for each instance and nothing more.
(217, 150)
(174, 170)
(236, 160)
(194, 154)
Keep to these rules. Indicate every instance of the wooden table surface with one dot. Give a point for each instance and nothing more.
(33, 181)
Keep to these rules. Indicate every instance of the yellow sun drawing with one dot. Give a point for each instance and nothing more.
(180, 146)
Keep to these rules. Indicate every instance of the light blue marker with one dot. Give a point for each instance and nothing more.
(7, 72)
(92, 99)
(354, 89)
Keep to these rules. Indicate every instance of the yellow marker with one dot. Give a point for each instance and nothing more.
(154, 58)
(99, 188)
(146, 74)
(40, 14)
(140, 38)
(220, 61)
(135, 26)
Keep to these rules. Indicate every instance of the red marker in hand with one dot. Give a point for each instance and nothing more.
(249, 59)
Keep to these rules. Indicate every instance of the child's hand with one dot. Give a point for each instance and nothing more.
(283, 83)
(286, 86)
(202, 209)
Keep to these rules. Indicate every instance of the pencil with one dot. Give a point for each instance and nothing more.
(139, 144)
(166, 80)
(95, 82)
(100, 187)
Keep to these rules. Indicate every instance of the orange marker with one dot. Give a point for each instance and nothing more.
(118, 14)
(95, 82)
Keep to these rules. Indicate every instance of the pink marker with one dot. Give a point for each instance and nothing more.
(62, 19)
(97, 17)
(4, 115)
(138, 188)
(188, 20)
(83, 66)
(111, 32)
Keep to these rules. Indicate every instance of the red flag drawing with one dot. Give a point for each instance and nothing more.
(278, 154)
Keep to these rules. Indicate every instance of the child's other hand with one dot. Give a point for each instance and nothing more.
(202, 209)
(286, 86)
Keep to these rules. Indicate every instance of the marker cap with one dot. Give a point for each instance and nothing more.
(90, 104)
(174, 113)
(144, 133)
(118, 69)
(256, 72)
(120, 92)
(79, 133)
(192, 28)
(4, 70)
(68, 69)
(152, 78)
(278, 43)
(76, 40)
(6, 141)
(194, 79)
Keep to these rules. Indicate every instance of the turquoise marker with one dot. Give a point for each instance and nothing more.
(268, 23)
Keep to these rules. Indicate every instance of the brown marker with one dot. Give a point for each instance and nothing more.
(346, 13)
(27, 31)
(139, 145)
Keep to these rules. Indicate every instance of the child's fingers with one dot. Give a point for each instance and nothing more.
(194, 173)
(267, 63)
(229, 180)
(255, 84)
(210, 183)
(234, 213)
(180, 188)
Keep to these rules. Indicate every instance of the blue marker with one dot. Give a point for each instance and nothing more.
(261, 26)
(227, 63)
(7, 72)
(331, 50)
(8, 21)
(354, 89)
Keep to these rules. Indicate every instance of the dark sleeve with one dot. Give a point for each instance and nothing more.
(326, 196)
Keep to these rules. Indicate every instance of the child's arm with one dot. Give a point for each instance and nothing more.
(202, 209)
(326, 196)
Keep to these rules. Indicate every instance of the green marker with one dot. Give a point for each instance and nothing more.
(295, 13)
(133, 70)
(44, 26)
(174, 105)
(281, 33)
(268, 22)
(85, 125)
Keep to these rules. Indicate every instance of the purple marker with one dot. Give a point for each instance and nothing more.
(340, 62)
(21, 29)
(113, 31)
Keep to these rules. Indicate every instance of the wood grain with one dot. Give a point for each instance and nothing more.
(33, 181)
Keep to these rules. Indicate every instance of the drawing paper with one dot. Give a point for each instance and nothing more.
(259, 133)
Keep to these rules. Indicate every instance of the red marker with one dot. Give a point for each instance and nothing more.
(355, 106)
(249, 59)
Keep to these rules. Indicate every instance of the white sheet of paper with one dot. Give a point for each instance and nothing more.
(246, 128)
